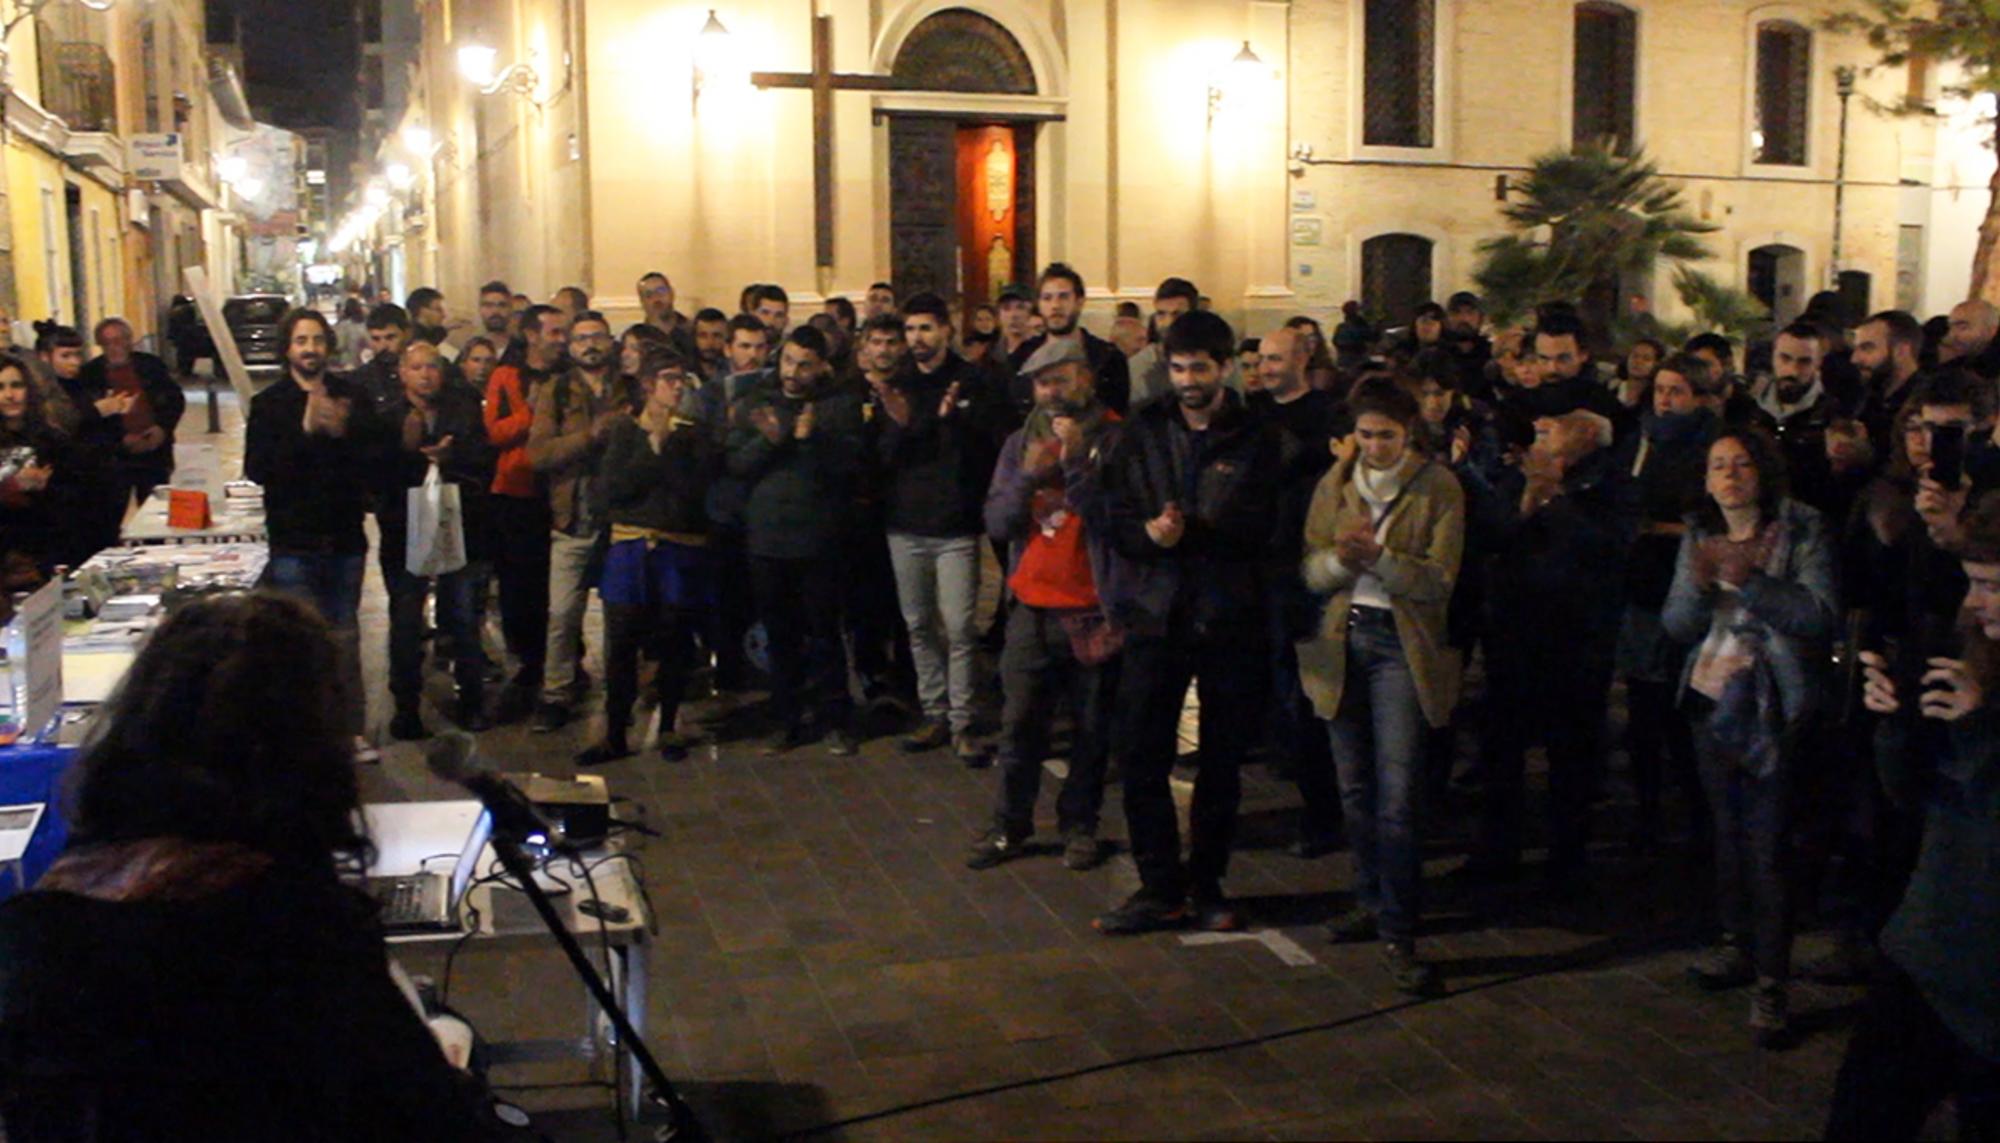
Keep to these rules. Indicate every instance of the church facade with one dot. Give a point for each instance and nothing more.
(1285, 156)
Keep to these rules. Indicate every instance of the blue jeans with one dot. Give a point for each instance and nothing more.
(331, 583)
(1378, 749)
(456, 618)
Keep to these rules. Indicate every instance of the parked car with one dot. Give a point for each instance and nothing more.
(253, 320)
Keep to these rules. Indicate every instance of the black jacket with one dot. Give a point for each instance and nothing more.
(937, 469)
(469, 465)
(799, 495)
(1114, 377)
(262, 1011)
(316, 488)
(1226, 482)
(163, 393)
(1557, 576)
(50, 526)
(666, 490)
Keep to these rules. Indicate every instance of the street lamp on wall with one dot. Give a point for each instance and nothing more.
(480, 66)
(1233, 81)
(714, 56)
(1843, 86)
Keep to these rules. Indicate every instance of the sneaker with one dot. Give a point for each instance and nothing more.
(1770, 1005)
(1082, 851)
(472, 718)
(968, 751)
(1352, 927)
(934, 736)
(1213, 912)
(1722, 967)
(609, 750)
(1413, 976)
(788, 739)
(993, 847)
(1851, 960)
(841, 744)
(1142, 912)
(408, 726)
(673, 747)
(549, 718)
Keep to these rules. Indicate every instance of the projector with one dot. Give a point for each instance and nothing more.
(578, 809)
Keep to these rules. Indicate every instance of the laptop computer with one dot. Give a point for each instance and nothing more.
(17, 829)
(429, 902)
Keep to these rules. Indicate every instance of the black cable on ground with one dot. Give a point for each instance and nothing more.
(1610, 948)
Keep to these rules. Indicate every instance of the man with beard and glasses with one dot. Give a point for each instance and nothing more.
(315, 444)
(1193, 500)
(1061, 292)
(574, 415)
(496, 310)
(1888, 349)
(1047, 501)
(937, 445)
(656, 294)
(518, 511)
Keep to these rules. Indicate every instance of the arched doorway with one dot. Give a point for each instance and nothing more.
(961, 188)
(1777, 277)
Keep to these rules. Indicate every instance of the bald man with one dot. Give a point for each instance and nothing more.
(1970, 340)
(1311, 418)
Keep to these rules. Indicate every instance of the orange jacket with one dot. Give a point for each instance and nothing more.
(509, 415)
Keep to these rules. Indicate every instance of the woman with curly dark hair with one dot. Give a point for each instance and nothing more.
(193, 967)
(37, 519)
(1753, 594)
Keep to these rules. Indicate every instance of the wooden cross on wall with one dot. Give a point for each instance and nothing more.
(822, 81)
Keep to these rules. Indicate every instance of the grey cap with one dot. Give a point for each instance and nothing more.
(1055, 351)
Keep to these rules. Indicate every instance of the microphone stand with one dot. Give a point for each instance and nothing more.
(514, 820)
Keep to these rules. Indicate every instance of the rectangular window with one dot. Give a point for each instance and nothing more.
(1602, 106)
(1784, 84)
(1395, 276)
(52, 259)
(1399, 73)
(1918, 90)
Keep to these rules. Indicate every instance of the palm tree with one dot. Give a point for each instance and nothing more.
(1583, 222)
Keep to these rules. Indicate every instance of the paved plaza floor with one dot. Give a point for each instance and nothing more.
(826, 964)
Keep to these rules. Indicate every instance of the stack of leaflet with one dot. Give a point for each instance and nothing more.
(163, 569)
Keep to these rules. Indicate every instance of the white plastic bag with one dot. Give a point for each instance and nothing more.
(437, 528)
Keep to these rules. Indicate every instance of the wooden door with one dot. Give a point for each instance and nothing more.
(923, 206)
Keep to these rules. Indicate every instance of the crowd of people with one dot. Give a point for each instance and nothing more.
(1784, 551)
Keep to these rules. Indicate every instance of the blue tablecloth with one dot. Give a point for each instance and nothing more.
(34, 774)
